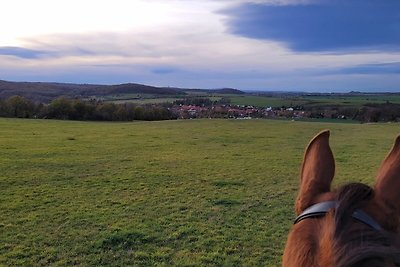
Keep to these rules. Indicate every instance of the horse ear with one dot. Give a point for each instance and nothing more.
(387, 184)
(317, 171)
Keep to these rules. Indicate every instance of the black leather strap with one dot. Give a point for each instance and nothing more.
(320, 209)
(365, 218)
(316, 210)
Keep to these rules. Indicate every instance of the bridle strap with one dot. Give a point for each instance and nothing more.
(363, 217)
(322, 208)
(316, 210)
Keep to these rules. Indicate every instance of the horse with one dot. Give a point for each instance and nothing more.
(354, 225)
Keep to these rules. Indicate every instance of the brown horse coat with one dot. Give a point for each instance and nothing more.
(336, 239)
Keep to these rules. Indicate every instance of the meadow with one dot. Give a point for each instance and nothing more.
(314, 100)
(182, 193)
(264, 101)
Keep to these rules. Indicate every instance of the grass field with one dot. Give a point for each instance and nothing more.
(183, 193)
(335, 100)
(262, 101)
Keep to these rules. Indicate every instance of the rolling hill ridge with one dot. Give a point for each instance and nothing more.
(46, 91)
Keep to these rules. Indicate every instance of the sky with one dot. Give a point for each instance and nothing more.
(292, 45)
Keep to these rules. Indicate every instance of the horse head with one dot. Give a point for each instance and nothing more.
(354, 225)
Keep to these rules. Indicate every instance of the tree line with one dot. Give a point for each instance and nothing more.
(385, 112)
(64, 108)
(202, 101)
(76, 109)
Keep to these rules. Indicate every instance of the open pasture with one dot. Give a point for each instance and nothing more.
(314, 100)
(183, 193)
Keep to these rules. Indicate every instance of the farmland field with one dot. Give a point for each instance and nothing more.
(184, 193)
(313, 100)
(264, 101)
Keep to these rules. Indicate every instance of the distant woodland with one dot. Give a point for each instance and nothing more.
(63, 108)
(142, 102)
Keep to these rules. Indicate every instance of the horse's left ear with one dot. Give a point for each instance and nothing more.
(387, 186)
(317, 171)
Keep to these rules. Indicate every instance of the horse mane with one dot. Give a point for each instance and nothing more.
(355, 244)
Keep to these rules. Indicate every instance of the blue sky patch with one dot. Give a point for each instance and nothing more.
(21, 52)
(381, 68)
(163, 70)
(327, 26)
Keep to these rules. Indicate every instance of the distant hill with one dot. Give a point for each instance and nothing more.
(42, 91)
(46, 91)
(228, 91)
(218, 91)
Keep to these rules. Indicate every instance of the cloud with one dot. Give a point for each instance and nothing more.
(327, 26)
(21, 52)
(270, 2)
(193, 44)
(206, 58)
(371, 69)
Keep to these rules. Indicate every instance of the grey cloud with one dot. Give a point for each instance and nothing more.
(21, 52)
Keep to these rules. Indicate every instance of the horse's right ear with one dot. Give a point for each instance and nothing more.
(387, 186)
(317, 171)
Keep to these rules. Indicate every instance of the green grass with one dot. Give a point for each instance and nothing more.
(142, 99)
(264, 101)
(354, 101)
(184, 193)
(157, 100)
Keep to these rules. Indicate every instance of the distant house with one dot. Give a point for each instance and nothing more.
(235, 112)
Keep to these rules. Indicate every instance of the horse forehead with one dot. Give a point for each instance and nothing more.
(307, 245)
(324, 197)
(328, 196)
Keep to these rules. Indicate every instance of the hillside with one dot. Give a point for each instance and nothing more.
(231, 91)
(45, 92)
(42, 91)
